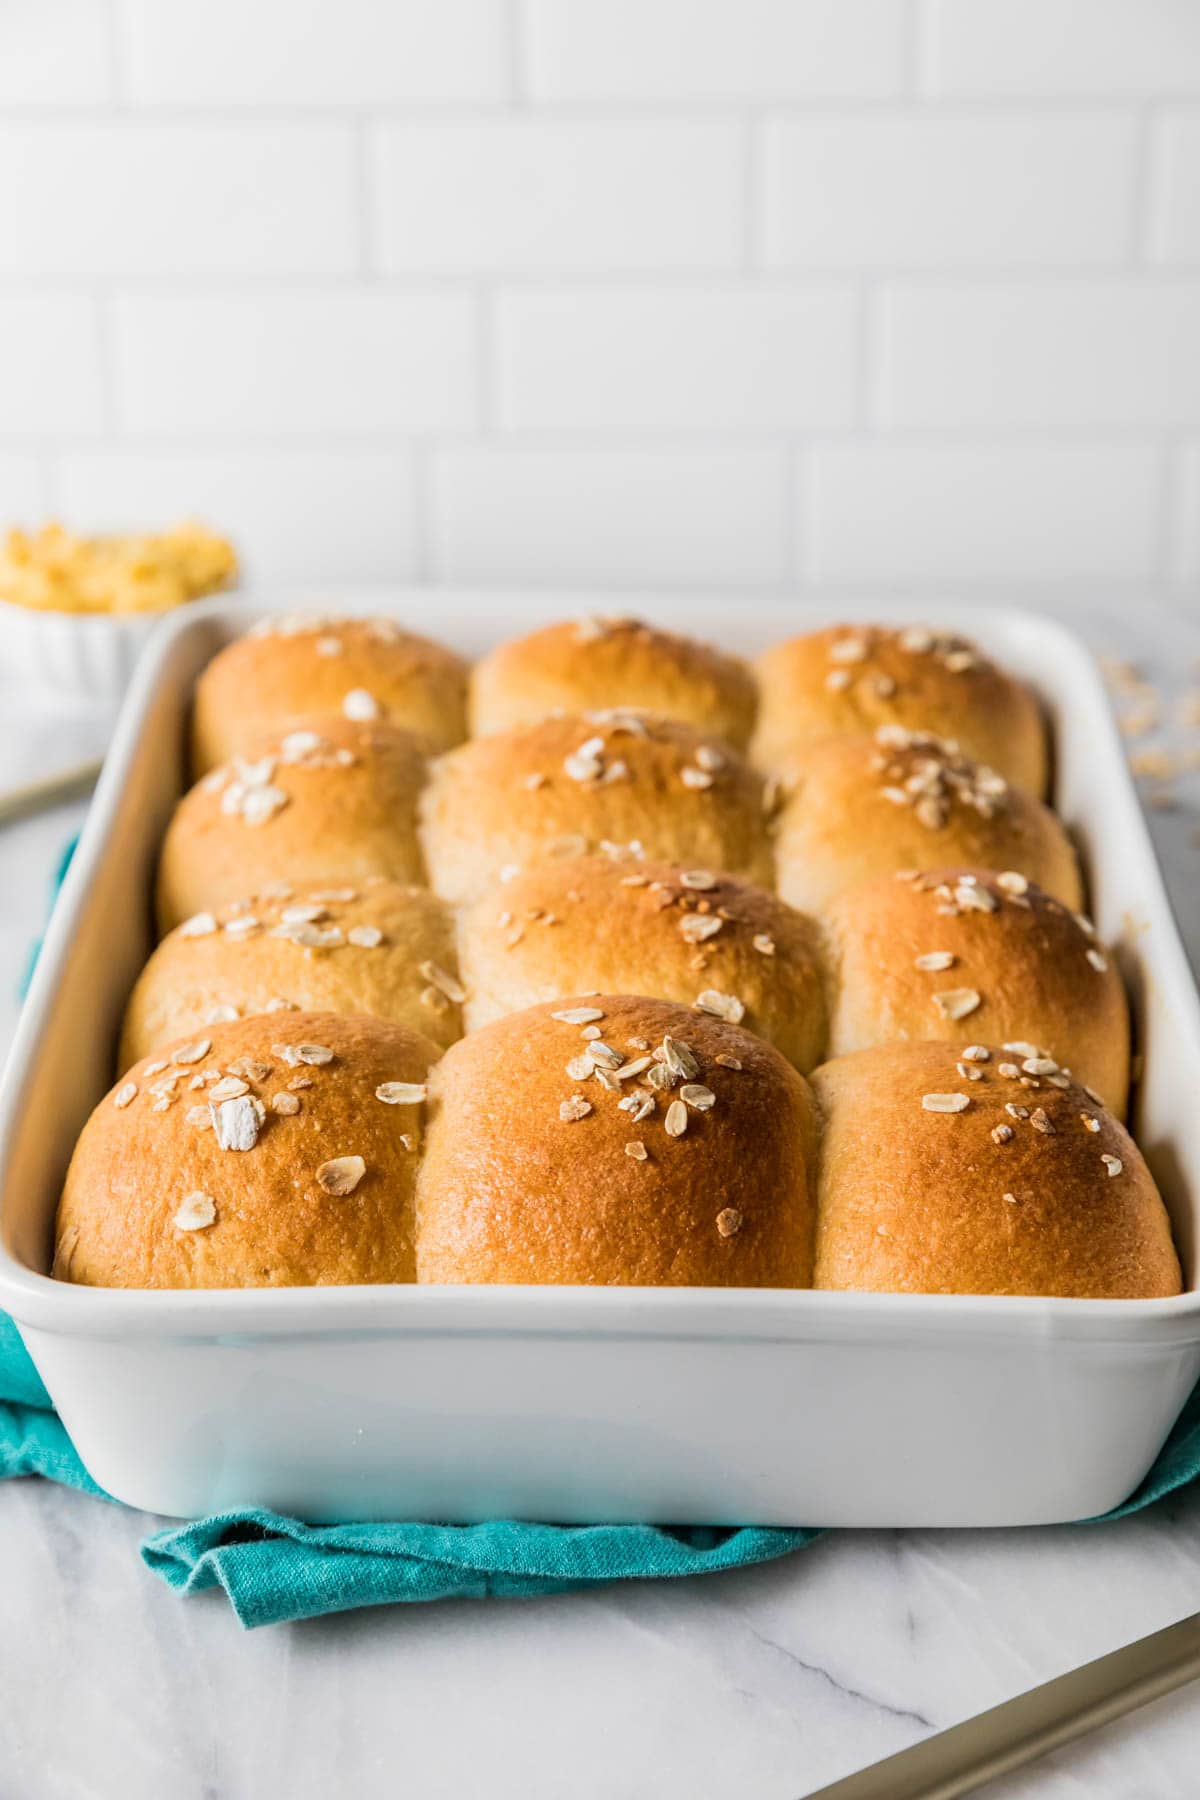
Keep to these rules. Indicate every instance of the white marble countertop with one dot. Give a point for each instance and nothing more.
(764, 1683)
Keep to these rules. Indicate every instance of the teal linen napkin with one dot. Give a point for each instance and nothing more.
(273, 1569)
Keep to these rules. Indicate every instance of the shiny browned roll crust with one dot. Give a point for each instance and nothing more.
(291, 670)
(962, 950)
(1030, 1187)
(379, 949)
(622, 783)
(269, 1152)
(543, 1165)
(584, 664)
(856, 677)
(328, 804)
(688, 935)
(859, 807)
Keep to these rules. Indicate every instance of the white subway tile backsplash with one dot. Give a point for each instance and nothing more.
(1101, 47)
(54, 52)
(948, 191)
(618, 516)
(557, 196)
(326, 361)
(120, 198)
(768, 50)
(1070, 353)
(313, 52)
(1185, 546)
(301, 516)
(980, 513)
(50, 366)
(582, 290)
(23, 489)
(681, 359)
(1175, 202)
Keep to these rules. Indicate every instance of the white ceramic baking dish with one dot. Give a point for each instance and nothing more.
(577, 1404)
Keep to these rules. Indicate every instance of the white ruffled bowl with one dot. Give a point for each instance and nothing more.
(89, 656)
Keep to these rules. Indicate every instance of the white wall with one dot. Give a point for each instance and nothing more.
(844, 294)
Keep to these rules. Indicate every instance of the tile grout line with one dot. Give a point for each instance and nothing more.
(1149, 184)
(364, 185)
(872, 361)
(104, 305)
(919, 52)
(754, 183)
(516, 54)
(114, 45)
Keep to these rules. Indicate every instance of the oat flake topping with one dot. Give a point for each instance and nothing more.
(341, 1174)
(314, 1054)
(197, 1211)
(445, 983)
(676, 1121)
(229, 1087)
(697, 928)
(679, 1059)
(721, 1006)
(701, 1098)
(695, 778)
(201, 924)
(237, 1121)
(402, 1093)
(365, 937)
(956, 1003)
(360, 706)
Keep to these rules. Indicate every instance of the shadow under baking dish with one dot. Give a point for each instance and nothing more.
(699, 1406)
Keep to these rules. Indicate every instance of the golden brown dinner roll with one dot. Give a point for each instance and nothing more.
(269, 1152)
(864, 806)
(951, 1169)
(583, 664)
(616, 1141)
(328, 805)
(377, 948)
(855, 677)
(689, 935)
(623, 783)
(291, 670)
(933, 955)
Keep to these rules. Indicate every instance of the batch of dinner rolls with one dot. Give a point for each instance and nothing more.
(614, 960)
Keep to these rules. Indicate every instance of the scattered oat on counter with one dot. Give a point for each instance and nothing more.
(1162, 730)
